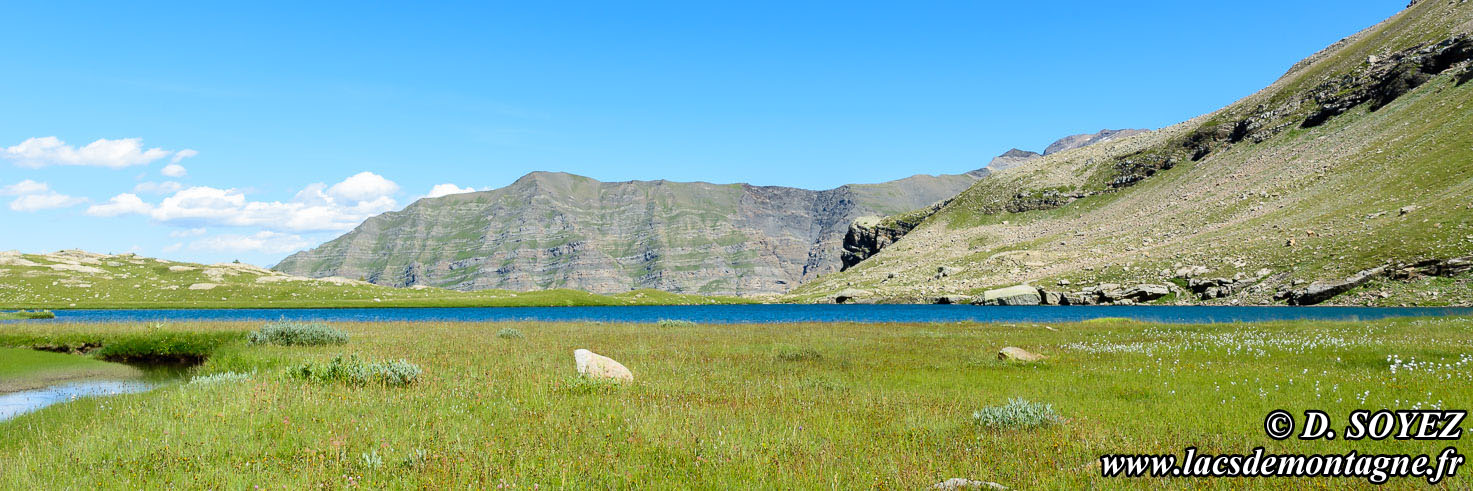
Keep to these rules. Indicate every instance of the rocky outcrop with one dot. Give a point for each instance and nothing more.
(555, 230)
(1387, 78)
(867, 235)
(1322, 291)
(1108, 294)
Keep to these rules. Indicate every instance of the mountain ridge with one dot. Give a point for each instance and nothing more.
(561, 230)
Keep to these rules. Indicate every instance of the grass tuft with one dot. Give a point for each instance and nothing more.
(1017, 414)
(353, 371)
(509, 333)
(676, 323)
(784, 352)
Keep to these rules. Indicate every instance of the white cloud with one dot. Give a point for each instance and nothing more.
(44, 201)
(363, 186)
(315, 208)
(181, 155)
(24, 187)
(173, 170)
(151, 187)
(193, 232)
(448, 189)
(116, 154)
(36, 196)
(121, 204)
(264, 241)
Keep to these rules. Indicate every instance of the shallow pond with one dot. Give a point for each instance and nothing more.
(17, 403)
(781, 313)
(150, 376)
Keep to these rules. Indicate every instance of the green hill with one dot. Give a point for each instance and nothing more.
(1361, 156)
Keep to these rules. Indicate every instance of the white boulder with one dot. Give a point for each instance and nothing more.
(596, 366)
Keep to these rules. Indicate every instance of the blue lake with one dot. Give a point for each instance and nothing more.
(736, 314)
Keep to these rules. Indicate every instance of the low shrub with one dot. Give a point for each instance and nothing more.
(353, 371)
(1017, 414)
(675, 323)
(298, 334)
(509, 333)
(785, 352)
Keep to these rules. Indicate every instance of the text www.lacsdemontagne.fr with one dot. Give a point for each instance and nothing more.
(1376, 469)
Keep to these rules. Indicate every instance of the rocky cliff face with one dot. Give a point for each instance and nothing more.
(555, 230)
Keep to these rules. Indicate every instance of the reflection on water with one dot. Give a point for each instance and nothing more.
(17, 403)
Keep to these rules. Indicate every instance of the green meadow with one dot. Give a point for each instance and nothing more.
(715, 406)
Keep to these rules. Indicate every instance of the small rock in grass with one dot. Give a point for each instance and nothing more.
(596, 366)
(964, 483)
(1018, 354)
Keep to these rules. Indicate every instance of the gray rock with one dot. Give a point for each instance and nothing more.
(1013, 295)
(1079, 299)
(1146, 293)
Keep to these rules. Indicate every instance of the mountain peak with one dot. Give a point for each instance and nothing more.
(1086, 139)
(1011, 158)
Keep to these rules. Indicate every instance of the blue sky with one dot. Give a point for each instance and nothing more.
(290, 122)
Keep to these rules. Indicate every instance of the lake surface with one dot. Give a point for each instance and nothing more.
(17, 403)
(735, 314)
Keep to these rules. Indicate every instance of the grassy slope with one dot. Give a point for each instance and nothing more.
(1233, 211)
(712, 407)
(22, 369)
(85, 280)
